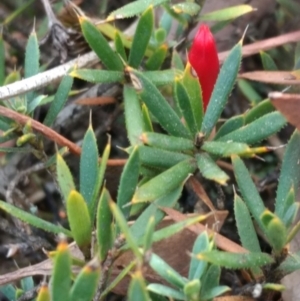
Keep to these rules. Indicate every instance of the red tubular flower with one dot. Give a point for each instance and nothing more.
(203, 57)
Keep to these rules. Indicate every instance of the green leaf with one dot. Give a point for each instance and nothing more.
(33, 220)
(289, 175)
(141, 38)
(176, 61)
(9, 292)
(133, 9)
(229, 126)
(61, 275)
(245, 226)
(160, 158)
(164, 182)
(122, 223)
(249, 91)
(290, 264)
(197, 268)
(157, 58)
(37, 101)
(258, 130)
(291, 214)
(32, 56)
(133, 115)
(158, 105)
(166, 142)
(183, 100)
(86, 282)
(225, 149)
(193, 89)
(148, 237)
(89, 169)
(215, 292)
(128, 182)
(2, 60)
(98, 76)
(104, 221)
(223, 88)
(100, 45)
(160, 77)
(146, 119)
(267, 62)
(137, 288)
(189, 8)
(261, 109)
(192, 289)
(64, 177)
(61, 96)
(44, 293)
(169, 200)
(166, 272)
(27, 284)
(166, 291)
(119, 46)
(275, 231)
(210, 170)
(228, 13)
(236, 260)
(248, 190)
(79, 219)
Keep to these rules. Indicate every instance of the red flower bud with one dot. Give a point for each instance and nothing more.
(203, 57)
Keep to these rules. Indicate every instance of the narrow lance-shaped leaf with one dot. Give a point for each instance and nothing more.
(133, 9)
(128, 182)
(210, 170)
(183, 100)
(229, 126)
(268, 62)
(89, 168)
(141, 38)
(189, 8)
(104, 220)
(100, 45)
(257, 130)
(223, 88)
(98, 76)
(33, 220)
(165, 182)
(261, 109)
(79, 219)
(137, 288)
(60, 99)
(86, 282)
(158, 105)
(133, 115)
(290, 175)
(32, 56)
(146, 119)
(192, 289)
(64, 176)
(2, 60)
(236, 260)
(276, 232)
(166, 142)
(166, 272)
(119, 46)
(61, 275)
(166, 291)
(248, 190)
(193, 88)
(245, 226)
(157, 58)
(43, 293)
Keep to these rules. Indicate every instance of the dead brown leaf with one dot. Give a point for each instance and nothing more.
(96, 101)
(288, 105)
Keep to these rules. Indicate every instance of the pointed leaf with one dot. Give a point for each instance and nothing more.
(86, 282)
(189, 8)
(229, 126)
(128, 181)
(245, 226)
(257, 130)
(248, 190)
(267, 62)
(236, 260)
(290, 174)
(158, 105)
(33, 220)
(61, 96)
(79, 219)
(141, 38)
(210, 170)
(133, 115)
(223, 88)
(100, 45)
(119, 46)
(157, 58)
(98, 76)
(89, 169)
(263, 108)
(165, 182)
(64, 176)
(104, 220)
(290, 264)
(166, 291)
(137, 288)
(44, 293)
(61, 276)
